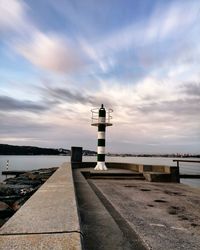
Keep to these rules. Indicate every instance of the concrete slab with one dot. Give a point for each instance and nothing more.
(157, 177)
(111, 174)
(65, 241)
(101, 230)
(111, 171)
(165, 215)
(51, 209)
(48, 220)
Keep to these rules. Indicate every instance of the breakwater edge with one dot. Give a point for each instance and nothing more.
(15, 191)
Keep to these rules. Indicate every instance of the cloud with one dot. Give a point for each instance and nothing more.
(186, 107)
(14, 124)
(23, 129)
(64, 94)
(48, 130)
(154, 110)
(147, 118)
(74, 96)
(10, 104)
(12, 14)
(51, 52)
(192, 89)
(170, 20)
(166, 23)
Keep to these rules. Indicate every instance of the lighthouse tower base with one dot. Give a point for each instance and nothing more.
(100, 166)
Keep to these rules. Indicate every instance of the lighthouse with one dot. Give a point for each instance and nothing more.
(101, 118)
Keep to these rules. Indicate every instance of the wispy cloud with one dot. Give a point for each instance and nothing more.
(10, 104)
(173, 19)
(73, 96)
(51, 52)
(182, 107)
(67, 95)
(12, 15)
(165, 23)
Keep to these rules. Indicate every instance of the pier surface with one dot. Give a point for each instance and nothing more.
(48, 220)
(140, 214)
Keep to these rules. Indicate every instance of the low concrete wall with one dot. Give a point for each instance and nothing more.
(48, 220)
(151, 172)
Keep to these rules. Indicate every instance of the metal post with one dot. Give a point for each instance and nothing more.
(76, 154)
(7, 166)
(76, 157)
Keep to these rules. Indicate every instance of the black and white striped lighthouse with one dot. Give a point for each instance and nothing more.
(101, 120)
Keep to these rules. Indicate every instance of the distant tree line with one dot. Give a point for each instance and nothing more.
(6, 149)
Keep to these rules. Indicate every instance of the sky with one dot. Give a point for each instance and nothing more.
(59, 59)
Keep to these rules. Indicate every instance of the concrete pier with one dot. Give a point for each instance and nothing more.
(48, 220)
(120, 210)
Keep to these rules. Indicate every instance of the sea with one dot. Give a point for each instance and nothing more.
(27, 162)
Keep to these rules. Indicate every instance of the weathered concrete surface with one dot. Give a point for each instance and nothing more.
(157, 177)
(65, 241)
(114, 173)
(165, 215)
(52, 209)
(110, 171)
(101, 229)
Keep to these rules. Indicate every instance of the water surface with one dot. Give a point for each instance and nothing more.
(26, 162)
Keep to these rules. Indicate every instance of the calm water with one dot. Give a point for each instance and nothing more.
(36, 162)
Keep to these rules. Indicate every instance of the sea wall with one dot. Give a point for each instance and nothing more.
(48, 220)
(153, 173)
(15, 191)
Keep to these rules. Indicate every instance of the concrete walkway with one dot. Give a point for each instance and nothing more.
(103, 229)
(132, 214)
(48, 220)
(164, 215)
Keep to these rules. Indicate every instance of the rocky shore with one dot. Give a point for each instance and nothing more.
(15, 191)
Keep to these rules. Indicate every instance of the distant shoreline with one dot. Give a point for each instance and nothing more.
(6, 149)
(109, 155)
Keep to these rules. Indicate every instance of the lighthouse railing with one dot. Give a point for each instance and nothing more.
(95, 117)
